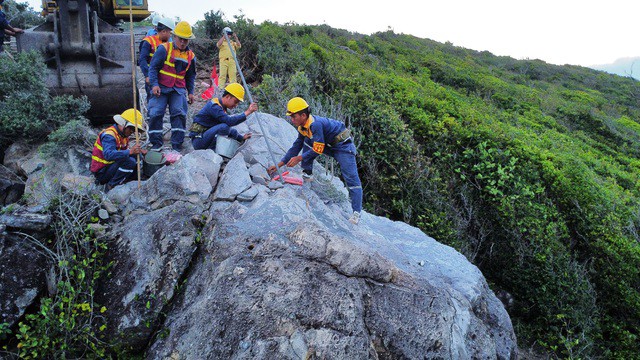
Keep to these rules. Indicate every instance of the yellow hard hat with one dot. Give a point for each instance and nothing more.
(296, 104)
(236, 90)
(183, 30)
(130, 117)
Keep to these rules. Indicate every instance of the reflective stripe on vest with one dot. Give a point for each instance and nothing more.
(97, 156)
(168, 75)
(154, 41)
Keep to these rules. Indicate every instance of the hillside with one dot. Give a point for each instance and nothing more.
(629, 67)
(527, 168)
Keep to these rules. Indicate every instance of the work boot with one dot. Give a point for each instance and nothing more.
(355, 218)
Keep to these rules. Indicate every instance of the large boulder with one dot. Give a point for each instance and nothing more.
(286, 276)
(280, 272)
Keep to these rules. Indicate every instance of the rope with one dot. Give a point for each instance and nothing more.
(133, 85)
(244, 82)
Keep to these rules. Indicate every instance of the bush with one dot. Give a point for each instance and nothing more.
(27, 111)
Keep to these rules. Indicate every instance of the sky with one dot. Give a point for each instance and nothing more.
(577, 32)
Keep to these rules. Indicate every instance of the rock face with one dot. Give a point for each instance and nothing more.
(22, 277)
(214, 261)
(11, 186)
(279, 273)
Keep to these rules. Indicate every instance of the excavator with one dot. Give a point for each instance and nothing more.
(85, 51)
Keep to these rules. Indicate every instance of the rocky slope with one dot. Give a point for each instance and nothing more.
(212, 260)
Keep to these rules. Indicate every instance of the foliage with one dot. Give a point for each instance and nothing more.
(527, 168)
(67, 323)
(21, 15)
(74, 132)
(27, 111)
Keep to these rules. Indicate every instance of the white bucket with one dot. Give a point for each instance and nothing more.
(226, 146)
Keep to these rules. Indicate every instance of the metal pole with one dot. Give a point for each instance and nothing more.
(133, 82)
(244, 82)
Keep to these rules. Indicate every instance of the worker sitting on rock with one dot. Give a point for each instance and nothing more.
(148, 47)
(172, 74)
(323, 136)
(213, 119)
(112, 162)
(225, 58)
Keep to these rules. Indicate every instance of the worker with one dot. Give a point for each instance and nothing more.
(323, 136)
(112, 162)
(227, 63)
(148, 46)
(154, 21)
(213, 119)
(6, 28)
(172, 74)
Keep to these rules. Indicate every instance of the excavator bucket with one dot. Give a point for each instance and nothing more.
(85, 55)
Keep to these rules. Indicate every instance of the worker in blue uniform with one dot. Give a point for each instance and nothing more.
(172, 74)
(213, 119)
(318, 135)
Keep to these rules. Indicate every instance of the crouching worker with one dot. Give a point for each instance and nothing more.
(213, 119)
(323, 136)
(112, 162)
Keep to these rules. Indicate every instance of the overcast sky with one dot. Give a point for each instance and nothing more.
(576, 32)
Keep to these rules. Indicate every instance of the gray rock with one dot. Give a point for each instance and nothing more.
(22, 277)
(192, 179)
(234, 181)
(120, 195)
(150, 258)
(275, 185)
(248, 195)
(20, 218)
(23, 159)
(287, 276)
(11, 186)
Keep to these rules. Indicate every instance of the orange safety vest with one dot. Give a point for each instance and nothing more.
(97, 156)
(168, 75)
(154, 41)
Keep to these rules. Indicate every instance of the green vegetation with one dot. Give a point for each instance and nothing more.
(27, 110)
(68, 323)
(529, 169)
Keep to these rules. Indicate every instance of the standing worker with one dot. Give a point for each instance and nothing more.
(227, 63)
(323, 136)
(213, 119)
(6, 27)
(112, 162)
(148, 47)
(172, 74)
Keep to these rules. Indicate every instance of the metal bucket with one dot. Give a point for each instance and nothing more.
(153, 161)
(226, 146)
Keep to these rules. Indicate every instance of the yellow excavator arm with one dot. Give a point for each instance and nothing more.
(109, 10)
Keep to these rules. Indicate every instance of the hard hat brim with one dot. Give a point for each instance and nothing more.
(184, 37)
(123, 122)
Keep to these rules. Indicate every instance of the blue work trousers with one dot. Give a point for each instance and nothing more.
(208, 139)
(345, 155)
(118, 172)
(176, 98)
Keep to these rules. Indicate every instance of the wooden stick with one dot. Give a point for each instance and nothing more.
(133, 82)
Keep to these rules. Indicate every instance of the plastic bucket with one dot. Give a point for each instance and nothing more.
(226, 146)
(153, 161)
